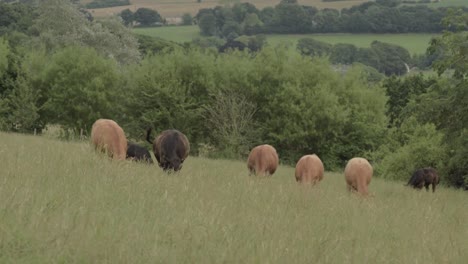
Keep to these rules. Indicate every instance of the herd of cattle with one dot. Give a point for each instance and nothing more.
(171, 148)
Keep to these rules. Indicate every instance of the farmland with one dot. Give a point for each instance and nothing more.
(177, 8)
(60, 202)
(414, 43)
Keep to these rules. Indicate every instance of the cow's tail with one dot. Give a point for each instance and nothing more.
(148, 135)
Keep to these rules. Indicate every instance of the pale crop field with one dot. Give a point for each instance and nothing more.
(176, 8)
(62, 203)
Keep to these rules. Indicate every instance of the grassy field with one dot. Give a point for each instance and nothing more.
(177, 8)
(446, 3)
(62, 203)
(414, 43)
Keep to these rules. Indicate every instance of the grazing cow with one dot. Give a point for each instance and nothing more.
(263, 160)
(424, 177)
(358, 173)
(309, 169)
(170, 148)
(107, 136)
(138, 153)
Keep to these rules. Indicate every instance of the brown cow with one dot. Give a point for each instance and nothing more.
(424, 177)
(263, 160)
(107, 136)
(309, 169)
(358, 173)
(170, 148)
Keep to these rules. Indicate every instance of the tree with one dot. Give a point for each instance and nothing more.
(291, 18)
(312, 47)
(81, 87)
(207, 24)
(230, 116)
(127, 17)
(187, 19)
(147, 17)
(343, 53)
(252, 24)
(61, 24)
(452, 44)
(393, 59)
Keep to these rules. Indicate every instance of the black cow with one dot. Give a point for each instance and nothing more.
(138, 153)
(170, 148)
(424, 177)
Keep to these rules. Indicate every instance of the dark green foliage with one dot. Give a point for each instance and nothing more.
(302, 106)
(289, 17)
(15, 17)
(150, 45)
(312, 47)
(107, 3)
(207, 24)
(343, 54)
(77, 87)
(127, 17)
(147, 17)
(411, 147)
(187, 19)
(400, 92)
(393, 59)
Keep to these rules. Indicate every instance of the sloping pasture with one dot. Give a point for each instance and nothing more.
(61, 202)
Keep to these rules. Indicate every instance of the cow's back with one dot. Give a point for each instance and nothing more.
(309, 169)
(108, 136)
(263, 160)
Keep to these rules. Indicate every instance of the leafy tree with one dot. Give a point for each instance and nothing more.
(290, 18)
(400, 92)
(209, 42)
(207, 24)
(4, 51)
(61, 24)
(393, 59)
(147, 17)
(15, 17)
(151, 45)
(81, 87)
(232, 28)
(312, 47)
(127, 17)
(453, 45)
(187, 19)
(252, 24)
(343, 53)
(326, 20)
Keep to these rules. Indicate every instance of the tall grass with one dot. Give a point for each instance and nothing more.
(61, 202)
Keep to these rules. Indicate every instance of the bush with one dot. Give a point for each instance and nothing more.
(411, 147)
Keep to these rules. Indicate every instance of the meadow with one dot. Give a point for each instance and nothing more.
(61, 202)
(447, 3)
(414, 43)
(176, 8)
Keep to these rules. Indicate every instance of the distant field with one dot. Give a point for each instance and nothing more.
(445, 3)
(62, 203)
(172, 33)
(177, 8)
(414, 43)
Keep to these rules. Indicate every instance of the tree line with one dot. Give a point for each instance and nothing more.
(70, 72)
(288, 17)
